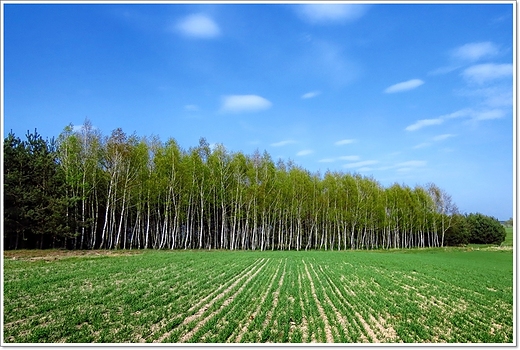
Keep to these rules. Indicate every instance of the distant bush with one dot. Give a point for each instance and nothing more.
(485, 229)
(458, 233)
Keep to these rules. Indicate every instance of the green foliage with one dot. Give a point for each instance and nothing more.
(485, 229)
(34, 188)
(421, 296)
(459, 232)
(123, 192)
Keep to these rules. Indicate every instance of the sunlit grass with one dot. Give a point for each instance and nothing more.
(418, 296)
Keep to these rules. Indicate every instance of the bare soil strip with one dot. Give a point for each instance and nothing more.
(360, 319)
(234, 281)
(228, 301)
(201, 311)
(446, 306)
(276, 295)
(367, 328)
(304, 326)
(388, 332)
(342, 319)
(260, 304)
(328, 332)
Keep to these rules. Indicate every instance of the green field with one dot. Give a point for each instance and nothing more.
(416, 296)
(509, 237)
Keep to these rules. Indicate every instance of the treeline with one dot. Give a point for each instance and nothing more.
(89, 191)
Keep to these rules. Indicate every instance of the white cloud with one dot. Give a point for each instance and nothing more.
(191, 108)
(344, 142)
(422, 145)
(475, 115)
(326, 62)
(442, 137)
(282, 143)
(411, 164)
(485, 114)
(489, 114)
(349, 158)
(458, 114)
(435, 139)
(404, 86)
(424, 122)
(330, 160)
(331, 13)
(443, 70)
(475, 51)
(198, 26)
(483, 73)
(244, 103)
(360, 164)
(305, 152)
(495, 96)
(311, 94)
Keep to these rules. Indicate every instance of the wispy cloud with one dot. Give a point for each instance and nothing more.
(437, 138)
(411, 163)
(404, 86)
(310, 94)
(344, 142)
(477, 114)
(422, 145)
(489, 114)
(244, 103)
(282, 143)
(304, 152)
(475, 51)
(492, 97)
(347, 158)
(331, 13)
(461, 113)
(483, 73)
(326, 62)
(198, 26)
(191, 108)
(442, 137)
(424, 122)
(473, 114)
(360, 164)
(444, 70)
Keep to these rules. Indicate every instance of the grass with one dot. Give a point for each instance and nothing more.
(509, 237)
(416, 296)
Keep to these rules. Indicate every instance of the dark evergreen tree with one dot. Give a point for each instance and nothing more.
(458, 234)
(35, 206)
(15, 177)
(485, 229)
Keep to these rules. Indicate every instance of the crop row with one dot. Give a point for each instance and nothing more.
(233, 297)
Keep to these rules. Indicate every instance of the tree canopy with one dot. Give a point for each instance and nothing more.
(89, 191)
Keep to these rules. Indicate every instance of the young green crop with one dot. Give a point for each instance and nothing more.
(415, 296)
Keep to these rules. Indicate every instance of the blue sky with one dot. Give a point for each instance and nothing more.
(406, 93)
